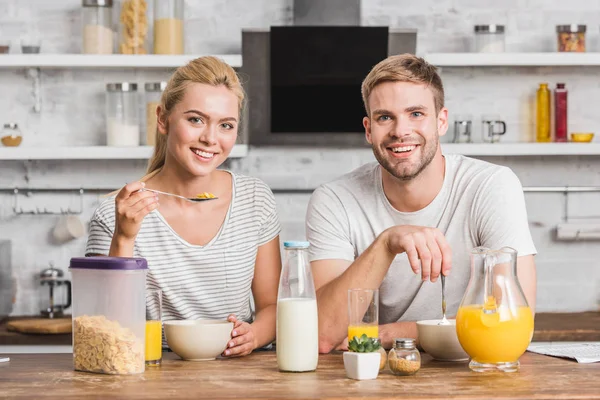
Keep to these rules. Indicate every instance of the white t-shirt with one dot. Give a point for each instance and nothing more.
(200, 282)
(480, 204)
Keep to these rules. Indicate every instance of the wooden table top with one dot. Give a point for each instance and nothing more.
(256, 376)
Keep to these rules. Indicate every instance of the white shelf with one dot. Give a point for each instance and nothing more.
(522, 149)
(91, 153)
(513, 59)
(105, 61)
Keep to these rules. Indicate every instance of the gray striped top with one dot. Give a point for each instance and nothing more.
(200, 282)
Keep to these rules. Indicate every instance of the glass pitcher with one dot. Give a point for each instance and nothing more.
(297, 337)
(494, 323)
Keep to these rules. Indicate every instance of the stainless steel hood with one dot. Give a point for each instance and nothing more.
(326, 12)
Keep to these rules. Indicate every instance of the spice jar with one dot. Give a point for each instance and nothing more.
(571, 38)
(153, 93)
(133, 27)
(489, 38)
(168, 27)
(97, 26)
(404, 358)
(122, 122)
(11, 135)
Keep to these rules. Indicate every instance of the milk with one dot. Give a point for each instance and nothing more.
(297, 334)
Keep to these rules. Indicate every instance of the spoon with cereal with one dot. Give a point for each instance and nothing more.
(200, 197)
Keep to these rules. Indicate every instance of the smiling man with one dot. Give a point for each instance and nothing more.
(399, 223)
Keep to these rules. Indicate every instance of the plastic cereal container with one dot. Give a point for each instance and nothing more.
(109, 314)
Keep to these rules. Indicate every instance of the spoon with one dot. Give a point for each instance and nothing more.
(444, 319)
(190, 199)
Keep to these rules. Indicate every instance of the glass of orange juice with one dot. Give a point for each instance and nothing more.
(153, 327)
(363, 313)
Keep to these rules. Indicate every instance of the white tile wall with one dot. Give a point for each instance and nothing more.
(73, 109)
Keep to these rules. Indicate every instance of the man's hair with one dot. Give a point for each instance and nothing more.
(404, 68)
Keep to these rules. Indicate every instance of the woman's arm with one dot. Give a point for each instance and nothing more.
(247, 337)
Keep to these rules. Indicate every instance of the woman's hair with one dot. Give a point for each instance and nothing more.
(207, 70)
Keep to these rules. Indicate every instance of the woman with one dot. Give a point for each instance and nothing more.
(209, 257)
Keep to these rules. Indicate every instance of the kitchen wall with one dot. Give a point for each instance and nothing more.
(73, 110)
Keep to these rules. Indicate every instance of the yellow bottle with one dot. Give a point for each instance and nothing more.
(543, 114)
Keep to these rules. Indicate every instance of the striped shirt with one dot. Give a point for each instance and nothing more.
(200, 282)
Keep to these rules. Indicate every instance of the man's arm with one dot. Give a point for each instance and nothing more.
(527, 278)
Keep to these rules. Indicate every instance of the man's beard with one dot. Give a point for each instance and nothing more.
(403, 170)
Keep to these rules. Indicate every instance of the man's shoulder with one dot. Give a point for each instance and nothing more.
(476, 170)
(360, 179)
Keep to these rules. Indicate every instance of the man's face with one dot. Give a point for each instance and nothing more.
(403, 127)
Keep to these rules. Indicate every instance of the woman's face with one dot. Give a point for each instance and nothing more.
(202, 128)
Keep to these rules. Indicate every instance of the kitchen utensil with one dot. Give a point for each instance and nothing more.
(582, 137)
(363, 313)
(67, 228)
(198, 340)
(191, 199)
(462, 129)
(41, 326)
(494, 322)
(444, 319)
(53, 277)
(492, 127)
(440, 340)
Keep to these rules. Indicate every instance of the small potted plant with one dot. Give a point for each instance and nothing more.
(362, 361)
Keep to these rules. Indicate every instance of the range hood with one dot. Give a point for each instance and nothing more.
(326, 12)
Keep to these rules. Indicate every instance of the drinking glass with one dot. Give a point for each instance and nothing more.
(153, 327)
(363, 313)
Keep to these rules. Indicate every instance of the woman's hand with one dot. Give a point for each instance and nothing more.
(243, 340)
(131, 206)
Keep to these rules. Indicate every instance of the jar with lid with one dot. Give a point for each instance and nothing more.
(168, 27)
(404, 358)
(97, 27)
(153, 93)
(11, 135)
(109, 314)
(122, 121)
(571, 38)
(133, 27)
(489, 38)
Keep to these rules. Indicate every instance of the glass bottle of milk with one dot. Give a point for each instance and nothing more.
(297, 340)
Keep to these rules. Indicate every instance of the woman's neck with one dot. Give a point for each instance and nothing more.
(184, 184)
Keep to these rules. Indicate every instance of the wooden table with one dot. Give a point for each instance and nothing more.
(256, 376)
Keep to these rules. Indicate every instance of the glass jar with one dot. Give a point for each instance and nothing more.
(122, 122)
(109, 314)
(168, 27)
(133, 27)
(11, 135)
(571, 38)
(489, 38)
(404, 358)
(153, 93)
(97, 27)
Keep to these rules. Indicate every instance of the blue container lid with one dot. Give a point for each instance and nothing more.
(109, 263)
(295, 244)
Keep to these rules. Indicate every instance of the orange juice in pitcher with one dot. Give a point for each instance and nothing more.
(494, 323)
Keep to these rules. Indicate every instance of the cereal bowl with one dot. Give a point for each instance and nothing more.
(198, 340)
(440, 341)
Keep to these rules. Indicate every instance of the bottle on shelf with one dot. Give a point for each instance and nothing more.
(543, 133)
(560, 113)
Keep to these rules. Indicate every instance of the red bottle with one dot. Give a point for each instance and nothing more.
(560, 113)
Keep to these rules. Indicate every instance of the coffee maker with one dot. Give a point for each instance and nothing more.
(54, 278)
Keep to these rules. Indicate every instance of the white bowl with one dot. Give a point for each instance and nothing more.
(440, 341)
(198, 340)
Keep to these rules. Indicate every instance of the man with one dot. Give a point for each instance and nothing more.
(415, 211)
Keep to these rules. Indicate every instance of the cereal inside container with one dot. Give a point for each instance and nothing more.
(109, 314)
(571, 38)
(133, 27)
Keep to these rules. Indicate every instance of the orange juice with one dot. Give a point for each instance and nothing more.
(153, 340)
(498, 337)
(357, 330)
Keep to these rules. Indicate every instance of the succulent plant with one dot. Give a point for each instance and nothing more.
(364, 344)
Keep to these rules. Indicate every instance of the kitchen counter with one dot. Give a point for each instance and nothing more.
(548, 327)
(256, 376)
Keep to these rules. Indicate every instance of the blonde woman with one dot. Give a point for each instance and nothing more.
(210, 257)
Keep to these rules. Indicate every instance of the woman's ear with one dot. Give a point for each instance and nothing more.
(161, 121)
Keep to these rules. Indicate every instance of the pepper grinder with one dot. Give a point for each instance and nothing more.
(53, 277)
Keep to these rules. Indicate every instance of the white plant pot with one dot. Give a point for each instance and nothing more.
(362, 366)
